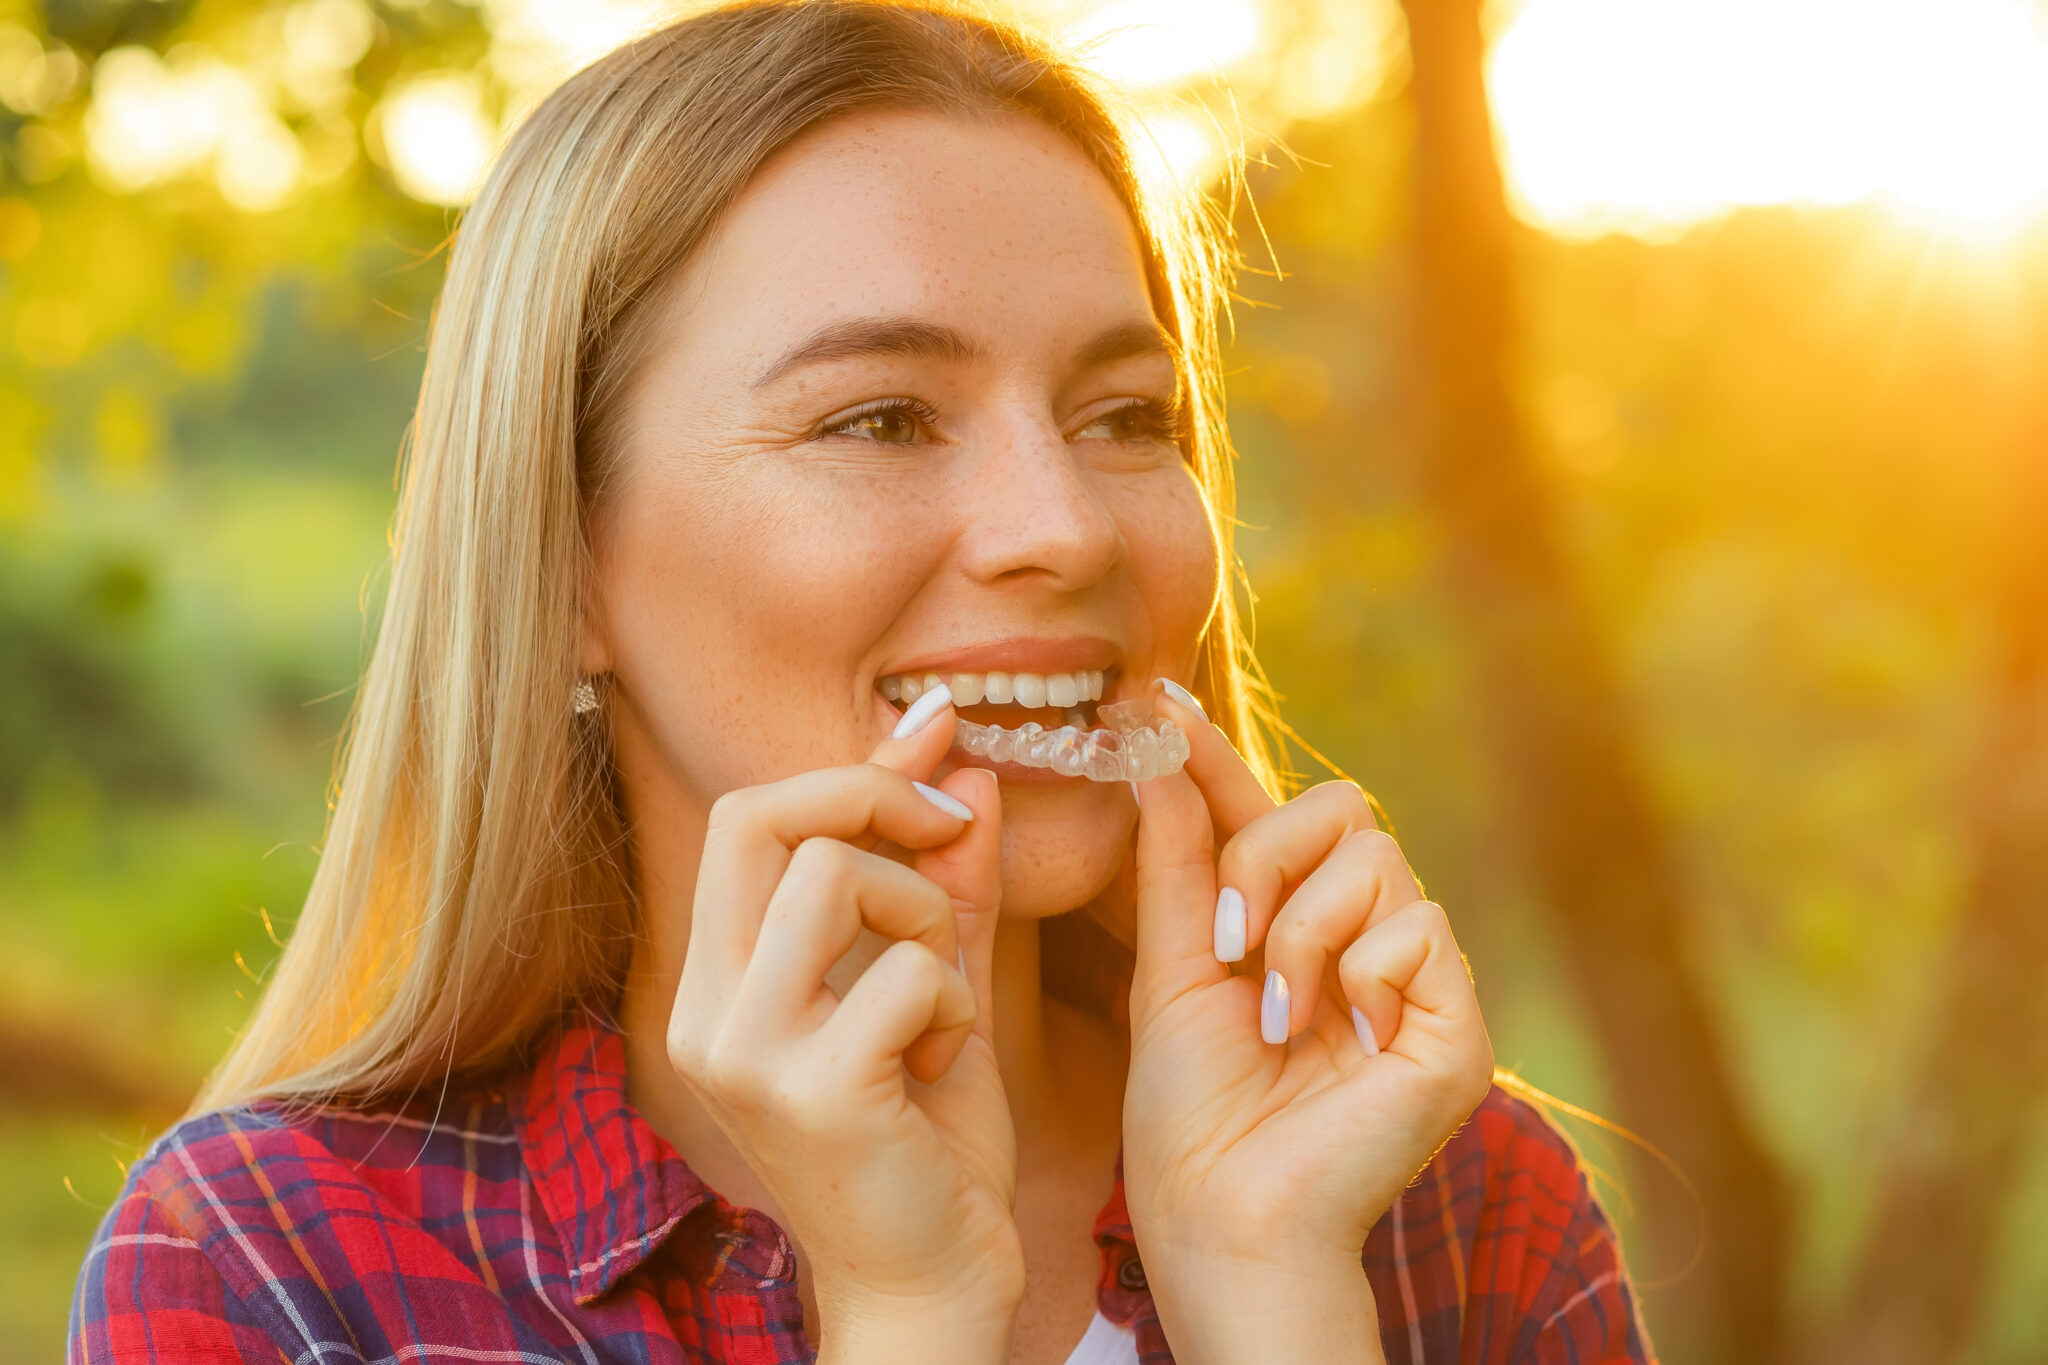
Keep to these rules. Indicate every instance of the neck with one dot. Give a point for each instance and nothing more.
(1023, 1050)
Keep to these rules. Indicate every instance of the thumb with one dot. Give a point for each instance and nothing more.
(969, 870)
(1176, 870)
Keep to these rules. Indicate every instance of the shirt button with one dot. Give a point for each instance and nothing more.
(1131, 1274)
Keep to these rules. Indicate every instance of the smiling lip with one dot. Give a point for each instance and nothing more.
(1018, 654)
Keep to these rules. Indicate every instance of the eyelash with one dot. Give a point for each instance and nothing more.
(1166, 418)
(924, 413)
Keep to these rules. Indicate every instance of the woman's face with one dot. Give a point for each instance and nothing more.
(908, 411)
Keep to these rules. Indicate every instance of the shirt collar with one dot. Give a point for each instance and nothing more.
(1121, 1292)
(613, 1187)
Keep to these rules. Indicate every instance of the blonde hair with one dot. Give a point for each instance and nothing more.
(475, 879)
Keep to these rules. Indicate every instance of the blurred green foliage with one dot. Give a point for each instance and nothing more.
(200, 410)
(1779, 440)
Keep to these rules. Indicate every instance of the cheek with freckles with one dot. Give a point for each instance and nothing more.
(743, 596)
(1061, 850)
(1174, 567)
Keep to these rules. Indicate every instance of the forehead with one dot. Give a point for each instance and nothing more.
(996, 226)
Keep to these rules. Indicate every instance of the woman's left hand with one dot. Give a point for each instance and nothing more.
(1254, 1168)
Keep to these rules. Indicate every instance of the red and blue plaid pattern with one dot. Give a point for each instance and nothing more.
(545, 1222)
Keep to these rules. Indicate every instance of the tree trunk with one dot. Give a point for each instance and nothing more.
(1558, 728)
(1920, 1289)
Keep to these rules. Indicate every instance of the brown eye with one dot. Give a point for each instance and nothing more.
(888, 426)
(1131, 422)
(896, 423)
(1128, 424)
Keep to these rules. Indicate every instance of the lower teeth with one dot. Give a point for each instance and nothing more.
(1134, 746)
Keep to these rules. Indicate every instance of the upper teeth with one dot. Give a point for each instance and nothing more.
(1024, 689)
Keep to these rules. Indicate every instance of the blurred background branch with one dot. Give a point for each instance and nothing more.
(1557, 727)
(1645, 465)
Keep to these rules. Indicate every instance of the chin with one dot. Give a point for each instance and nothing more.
(1063, 847)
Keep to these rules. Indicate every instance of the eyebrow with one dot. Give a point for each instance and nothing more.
(931, 341)
(1123, 341)
(872, 336)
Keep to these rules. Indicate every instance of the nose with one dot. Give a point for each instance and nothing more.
(1032, 512)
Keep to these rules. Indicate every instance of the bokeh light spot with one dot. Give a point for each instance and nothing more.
(154, 119)
(322, 42)
(1156, 42)
(259, 164)
(436, 137)
(51, 333)
(34, 80)
(21, 227)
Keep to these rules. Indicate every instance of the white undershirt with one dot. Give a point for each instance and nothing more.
(1105, 1343)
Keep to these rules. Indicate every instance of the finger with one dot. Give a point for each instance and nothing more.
(1176, 895)
(755, 831)
(1408, 980)
(969, 871)
(1363, 879)
(922, 736)
(832, 891)
(1233, 794)
(1273, 853)
(908, 1009)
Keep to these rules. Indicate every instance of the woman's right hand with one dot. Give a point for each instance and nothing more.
(878, 1122)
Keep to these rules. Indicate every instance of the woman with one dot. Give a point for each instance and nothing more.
(812, 381)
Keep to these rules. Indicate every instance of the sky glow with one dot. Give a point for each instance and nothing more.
(1647, 115)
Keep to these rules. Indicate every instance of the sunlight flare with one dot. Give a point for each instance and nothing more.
(1150, 43)
(1646, 115)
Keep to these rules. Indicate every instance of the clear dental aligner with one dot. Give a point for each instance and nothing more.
(1132, 746)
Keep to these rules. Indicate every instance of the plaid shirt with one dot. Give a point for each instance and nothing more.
(544, 1221)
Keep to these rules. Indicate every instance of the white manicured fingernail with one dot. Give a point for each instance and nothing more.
(922, 710)
(963, 966)
(953, 806)
(1364, 1027)
(1274, 1007)
(1183, 696)
(1230, 925)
